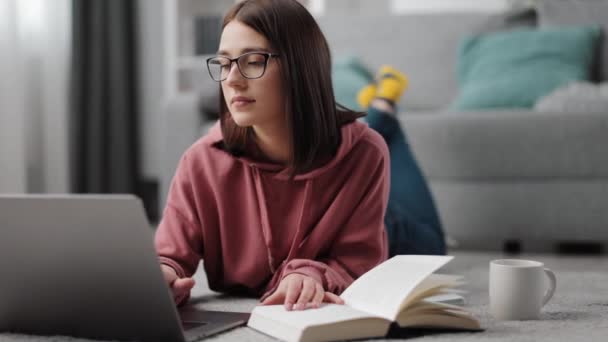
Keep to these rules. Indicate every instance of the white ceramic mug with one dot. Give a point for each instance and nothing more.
(518, 289)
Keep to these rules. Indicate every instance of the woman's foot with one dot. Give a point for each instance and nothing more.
(366, 95)
(389, 86)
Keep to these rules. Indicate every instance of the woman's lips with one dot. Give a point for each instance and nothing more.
(240, 101)
(240, 104)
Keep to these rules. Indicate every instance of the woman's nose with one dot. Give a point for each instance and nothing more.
(234, 74)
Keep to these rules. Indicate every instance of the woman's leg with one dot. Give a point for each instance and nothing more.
(410, 235)
(412, 221)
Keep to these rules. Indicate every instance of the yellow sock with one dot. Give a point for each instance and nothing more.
(391, 83)
(366, 95)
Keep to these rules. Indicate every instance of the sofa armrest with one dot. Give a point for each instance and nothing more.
(508, 144)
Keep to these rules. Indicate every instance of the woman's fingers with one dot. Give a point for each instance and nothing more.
(318, 297)
(183, 284)
(299, 293)
(332, 298)
(293, 292)
(308, 291)
(277, 297)
(169, 274)
(181, 288)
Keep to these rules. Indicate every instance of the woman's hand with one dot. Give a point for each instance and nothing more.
(299, 292)
(180, 287)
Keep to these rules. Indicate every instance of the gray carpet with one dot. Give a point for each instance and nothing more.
(577, 312)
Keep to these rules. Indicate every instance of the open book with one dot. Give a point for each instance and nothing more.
(395, 291)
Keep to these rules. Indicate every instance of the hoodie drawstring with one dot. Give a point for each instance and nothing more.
(266, 231)
(263, 209)
(300, 231)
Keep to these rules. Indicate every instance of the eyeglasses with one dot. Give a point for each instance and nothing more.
(251, 65)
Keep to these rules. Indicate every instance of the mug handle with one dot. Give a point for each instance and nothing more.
(552, 284)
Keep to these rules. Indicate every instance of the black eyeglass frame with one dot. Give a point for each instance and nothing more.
(267, 56)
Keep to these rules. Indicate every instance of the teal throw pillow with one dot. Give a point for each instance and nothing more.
(513, 69)
(349, 75)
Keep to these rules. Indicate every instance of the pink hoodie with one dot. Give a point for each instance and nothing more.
(252, 226)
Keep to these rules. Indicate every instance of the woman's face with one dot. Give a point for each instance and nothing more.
(251, 102)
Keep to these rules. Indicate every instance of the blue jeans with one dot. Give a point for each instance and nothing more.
(411, 219)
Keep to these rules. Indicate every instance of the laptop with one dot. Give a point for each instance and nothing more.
(85, 266)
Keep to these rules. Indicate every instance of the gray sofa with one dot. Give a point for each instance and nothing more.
(498, 177)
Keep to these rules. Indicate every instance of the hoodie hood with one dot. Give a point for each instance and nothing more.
(351, 134)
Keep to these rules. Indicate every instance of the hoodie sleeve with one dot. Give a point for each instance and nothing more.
(178, 238)
(360, 245)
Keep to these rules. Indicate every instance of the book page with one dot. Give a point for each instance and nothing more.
(447, 297)
(300, 319)
(431, 285)
(381, 290)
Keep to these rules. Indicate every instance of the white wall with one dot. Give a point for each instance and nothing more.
(319, 7)
(425, 6)
(352, 6)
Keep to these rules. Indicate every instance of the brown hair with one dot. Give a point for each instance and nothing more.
(313, 116)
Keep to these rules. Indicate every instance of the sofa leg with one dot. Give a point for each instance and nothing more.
(580, 247)
(511, 247)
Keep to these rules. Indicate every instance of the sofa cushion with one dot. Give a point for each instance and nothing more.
(577, 12)
(578, 97)
(349, 75)
(513, 69)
